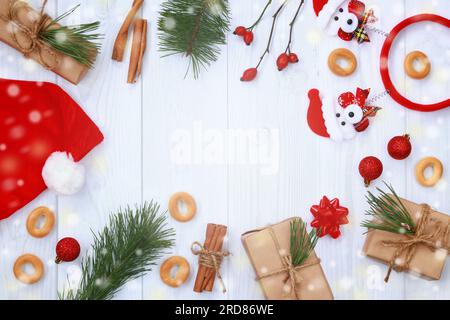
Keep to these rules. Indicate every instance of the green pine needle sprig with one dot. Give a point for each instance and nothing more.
(194, 28)
(302, 243)
(77, 41)
(388, 213)
(126, 249)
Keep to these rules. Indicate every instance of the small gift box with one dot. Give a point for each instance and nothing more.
(32, 32)
(270, 252)
(416, 238)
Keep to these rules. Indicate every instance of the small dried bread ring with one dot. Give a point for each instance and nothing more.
(347, 56)
(181, 275)
(33, 218)
(174, 208)
(438, 169)
(423, 60)
(24, 277)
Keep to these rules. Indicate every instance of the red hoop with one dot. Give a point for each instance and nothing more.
(384, 63)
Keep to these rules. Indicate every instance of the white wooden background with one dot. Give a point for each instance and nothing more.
(152, 126)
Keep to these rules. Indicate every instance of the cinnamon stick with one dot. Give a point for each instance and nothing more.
(210, 231)
(143, 48)
(122, 36)
(136, 49)
(210, 277)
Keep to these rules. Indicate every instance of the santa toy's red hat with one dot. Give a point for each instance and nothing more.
(43, 135)
(325, 10)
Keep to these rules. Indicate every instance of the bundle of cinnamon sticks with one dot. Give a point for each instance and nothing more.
(139, 42)
(206, 276)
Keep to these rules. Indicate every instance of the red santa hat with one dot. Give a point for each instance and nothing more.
(325, 9)
(43, 135)
(322, 116)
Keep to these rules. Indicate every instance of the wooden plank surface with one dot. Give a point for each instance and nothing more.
(243, 150)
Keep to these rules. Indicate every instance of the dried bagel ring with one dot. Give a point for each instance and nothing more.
(347, 56)
(24, 277)
(174, 208)
(423, 61)
(33, 218)
(181, 275)
(438, 169)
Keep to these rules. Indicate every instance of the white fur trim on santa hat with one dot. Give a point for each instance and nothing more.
(327, 12)
(329, 115)
(63, 175)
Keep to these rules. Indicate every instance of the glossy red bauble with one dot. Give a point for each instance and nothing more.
(400, 147)
(67, 250)
(370, 169)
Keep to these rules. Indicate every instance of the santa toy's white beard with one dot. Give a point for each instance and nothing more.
(63, 175)
(335, 129)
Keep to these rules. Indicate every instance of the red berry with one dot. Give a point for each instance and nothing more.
(249, 74)
(248, 37)
(400, 147)
(67, 250)
(282, 61)
(370, 169)
(293, 58)
(240, 31)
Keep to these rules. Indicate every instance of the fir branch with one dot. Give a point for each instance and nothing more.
(77, 41)
(388, 213)
(126, 249)
(194, 28)
(302, 243)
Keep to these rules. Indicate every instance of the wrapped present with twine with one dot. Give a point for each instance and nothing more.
(286, 269)
(68, 51)
(407, 236)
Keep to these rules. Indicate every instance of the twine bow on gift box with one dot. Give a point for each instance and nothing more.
(210, 259)
(408, 246)
(33, 33)
(293, 279)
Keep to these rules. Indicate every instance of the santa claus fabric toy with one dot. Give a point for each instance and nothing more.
(43, 134)
(346, 19)
(341, 119)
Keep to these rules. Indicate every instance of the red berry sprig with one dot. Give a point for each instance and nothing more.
(251, 73)
(400, 147)
(370, 168)
(288, 56)
(67, 250)
(247, 33)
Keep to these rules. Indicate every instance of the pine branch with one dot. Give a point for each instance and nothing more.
(75, 41)
(302, 243)
(126, 249)
(388, 213)
(194, 28)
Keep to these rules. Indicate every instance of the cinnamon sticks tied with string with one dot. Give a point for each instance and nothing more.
(139, 42)
(210, 258)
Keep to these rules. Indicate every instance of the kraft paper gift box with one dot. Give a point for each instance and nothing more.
(63, 65)
(426, 261)
(266, 258)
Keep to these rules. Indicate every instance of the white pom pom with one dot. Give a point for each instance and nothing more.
(63, 175)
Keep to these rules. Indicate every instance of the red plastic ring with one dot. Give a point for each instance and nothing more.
(384, 63)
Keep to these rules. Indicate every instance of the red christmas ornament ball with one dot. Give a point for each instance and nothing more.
(400, 147)
(67, 250)
(370, 169)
